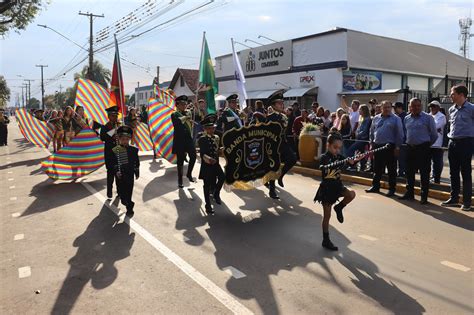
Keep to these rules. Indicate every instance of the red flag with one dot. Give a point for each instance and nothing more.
(117, 95)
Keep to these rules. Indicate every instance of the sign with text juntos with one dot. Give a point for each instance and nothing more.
(266, 59)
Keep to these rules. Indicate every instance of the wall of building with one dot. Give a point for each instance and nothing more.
(142, 95)
(391, 81)
(418, 83)
(314, 50)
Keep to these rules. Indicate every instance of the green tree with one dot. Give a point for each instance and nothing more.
(100, 74)
(16, 15)
(33, 103)
(4, 91)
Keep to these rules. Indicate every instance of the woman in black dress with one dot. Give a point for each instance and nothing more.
(331, 187)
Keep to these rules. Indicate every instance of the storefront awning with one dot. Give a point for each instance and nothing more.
(389, 91)
(299, 91)
(261, 94)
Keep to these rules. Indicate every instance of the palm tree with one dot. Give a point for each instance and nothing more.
(100, 74)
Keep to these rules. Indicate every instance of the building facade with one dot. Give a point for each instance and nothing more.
(323, 67)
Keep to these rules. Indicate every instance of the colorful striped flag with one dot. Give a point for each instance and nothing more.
(36, 131)
(161, 127)
(82, 156)
(141, 137)
(94, 98)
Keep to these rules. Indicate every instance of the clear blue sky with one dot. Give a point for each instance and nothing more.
(424, 21)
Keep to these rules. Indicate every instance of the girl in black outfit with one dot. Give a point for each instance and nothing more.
(331, 187)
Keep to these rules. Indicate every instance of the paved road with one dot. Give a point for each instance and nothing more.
(64, 250)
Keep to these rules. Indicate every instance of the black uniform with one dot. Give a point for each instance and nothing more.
(331, 187)
(287, 155)
(209, 173)
(228, 120)
(109, 143)
(183, 143)
(126, 165)
(4, 121)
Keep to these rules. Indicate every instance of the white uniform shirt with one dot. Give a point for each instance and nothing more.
(440, 122)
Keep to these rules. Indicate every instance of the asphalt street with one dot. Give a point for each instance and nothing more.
(64, 249)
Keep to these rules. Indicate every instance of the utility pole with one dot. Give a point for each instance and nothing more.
(29, 88)
(42, 85)
(136, 94)
(91, 41)
(60, 98)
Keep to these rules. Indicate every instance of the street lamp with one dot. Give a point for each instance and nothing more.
(63, 36)
(267, 38)
(236, 42)
(252, 41)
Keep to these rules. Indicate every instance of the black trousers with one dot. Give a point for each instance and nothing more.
(418, 158)
(125, 188)
(180, 157)
(385, 159)
(3, 135)
(210, 184)
(437, 159)
(460, 155)
(110, 180)
(288, 157)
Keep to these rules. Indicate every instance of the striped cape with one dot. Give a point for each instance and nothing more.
(161, 127)
(82, 156)
(34, 130)
(141, 138)
(94, 98)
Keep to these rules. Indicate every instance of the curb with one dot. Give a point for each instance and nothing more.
(436, 194)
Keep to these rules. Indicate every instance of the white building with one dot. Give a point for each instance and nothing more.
(324, 66)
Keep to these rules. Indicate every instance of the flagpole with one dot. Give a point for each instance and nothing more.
(119, 73)
(199, 85)
(233, 53)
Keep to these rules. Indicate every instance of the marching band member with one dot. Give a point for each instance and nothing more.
(108, 134)
(288, 156)
(80, 120)
(182, 139)
(68, 125)
(230, 116)
(39, 114)
(56, 120)
(210, 171)
(126, 166)
(4, 121)
(331, 187)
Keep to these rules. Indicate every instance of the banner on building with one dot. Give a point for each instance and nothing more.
(355, 80)
(251, 152)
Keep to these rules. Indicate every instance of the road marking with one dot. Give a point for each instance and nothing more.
(16, 214)
(24, 272)
(181, 237)
(9, 172)
(10, 179)
(435, 211)
(455, 266)
(9, 166)
(18, 237)
(234, 272)
(13, 198)
(366, 197)
(12, 187)
(368, 237)
(222, 296)
(291, 212)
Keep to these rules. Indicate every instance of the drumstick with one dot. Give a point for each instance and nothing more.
(340, 162)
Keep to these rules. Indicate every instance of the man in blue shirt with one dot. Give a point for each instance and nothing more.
(386, 128)
(399, 109)
(420, 135)
(460, 147)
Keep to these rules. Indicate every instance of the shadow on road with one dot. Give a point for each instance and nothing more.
(266, 245)
(190, 217)
(104, 242)
(24, 163)
(162, 185)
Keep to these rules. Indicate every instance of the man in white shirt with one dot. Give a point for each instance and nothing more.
(436, 150)
(353, 111)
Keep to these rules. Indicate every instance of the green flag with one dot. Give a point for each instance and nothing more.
(207, 77)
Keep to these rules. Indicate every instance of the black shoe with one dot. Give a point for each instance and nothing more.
(180, 183)
(338, 209)
(209, 210)
(217, 198)
(130, 212)
(423, 201)
(191, 179)
(273, 194)
(466, 207)
(390, 193)
(109, 195)
(280, 182)
(407, 196)
(450, 202)
(373, 189)
(329, 245)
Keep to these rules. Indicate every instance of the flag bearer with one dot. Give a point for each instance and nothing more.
(108, 134)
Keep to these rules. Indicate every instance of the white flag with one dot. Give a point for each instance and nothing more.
(239, 78)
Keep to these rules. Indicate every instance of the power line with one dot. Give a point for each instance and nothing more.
(91, 40)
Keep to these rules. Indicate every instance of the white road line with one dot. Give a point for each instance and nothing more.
(16, 214)
(234, 272)
(13, 198)
(18, 237)
(291, 212)
(11, 187)
(222, 296)
(24, 272)
(9, 172)
(10, 179)
(181, 237)
(455, 266)
(434, 211)
(368, 237)
(9, 166)
(366, 197)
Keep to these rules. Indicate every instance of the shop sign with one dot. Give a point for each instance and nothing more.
(267, 58)
(355, 80)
